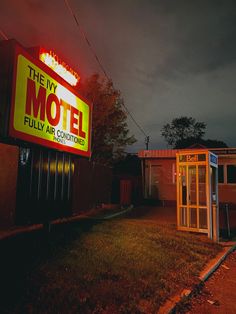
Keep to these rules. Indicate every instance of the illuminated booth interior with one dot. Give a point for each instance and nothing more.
(197, 192)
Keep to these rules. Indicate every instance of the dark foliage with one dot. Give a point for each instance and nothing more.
(188, 142)
(130, 165)
(181, 129)
(110, 133)
(184, 132)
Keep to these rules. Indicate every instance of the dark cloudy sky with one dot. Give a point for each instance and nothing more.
(168, 57)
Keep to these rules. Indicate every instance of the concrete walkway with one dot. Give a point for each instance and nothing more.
(219, 292)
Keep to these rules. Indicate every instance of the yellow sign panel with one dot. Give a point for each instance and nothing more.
(47, 112)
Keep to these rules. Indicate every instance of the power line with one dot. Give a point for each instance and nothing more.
(4, 36)
(101, 66)
(86, 38)
(135, 122)
(99, 63)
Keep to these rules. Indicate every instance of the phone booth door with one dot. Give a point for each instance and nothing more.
(197, 191)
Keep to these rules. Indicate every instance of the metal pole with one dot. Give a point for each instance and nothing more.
(215, 223)
(147, 141)
(227, 219)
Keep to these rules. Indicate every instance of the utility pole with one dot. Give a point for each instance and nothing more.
(147, 138)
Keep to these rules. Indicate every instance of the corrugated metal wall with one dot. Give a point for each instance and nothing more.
(54, 184)
(44, 185)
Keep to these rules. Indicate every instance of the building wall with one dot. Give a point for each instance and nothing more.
(91, 185)
(44, 185)
(134, 194)
(160, 180)
(8, 180)
(227, 191)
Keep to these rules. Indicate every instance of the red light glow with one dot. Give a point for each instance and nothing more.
(59, 66)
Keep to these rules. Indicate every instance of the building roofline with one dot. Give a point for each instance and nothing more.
(171, 153)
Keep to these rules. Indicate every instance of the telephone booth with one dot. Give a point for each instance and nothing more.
(197, 192)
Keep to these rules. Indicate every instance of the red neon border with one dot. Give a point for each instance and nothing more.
(43, 50)
(33, 139)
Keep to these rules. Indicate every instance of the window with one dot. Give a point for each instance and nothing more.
(231, 173)
(221, 174)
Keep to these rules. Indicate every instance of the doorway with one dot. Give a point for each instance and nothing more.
(154, 177)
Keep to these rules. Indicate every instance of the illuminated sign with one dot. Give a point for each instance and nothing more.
(59, 66)
(45, 110)
(188, 158)
(192, 158)
(213, 159)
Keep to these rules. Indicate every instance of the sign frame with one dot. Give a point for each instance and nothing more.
(14, 133)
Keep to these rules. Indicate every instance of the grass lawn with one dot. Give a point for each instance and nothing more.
(118, 266)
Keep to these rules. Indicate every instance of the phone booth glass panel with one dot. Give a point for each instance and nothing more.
(197, 192)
